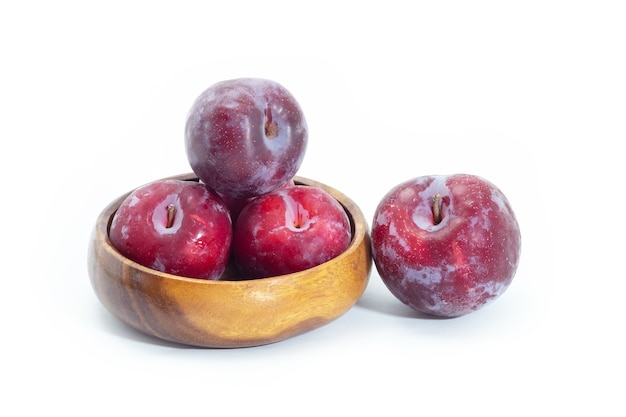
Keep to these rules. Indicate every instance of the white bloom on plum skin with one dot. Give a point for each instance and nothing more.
(297, 217)
(161, 212)
(448, 259)
(175, 226)
(134, 200)
(289, 229)
(245, 137)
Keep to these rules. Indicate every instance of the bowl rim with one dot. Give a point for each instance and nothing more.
(358, 224)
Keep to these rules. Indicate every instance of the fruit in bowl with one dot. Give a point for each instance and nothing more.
(446, 245)
(290, 229)
(233, 311)
(174, 226)
(235, 205)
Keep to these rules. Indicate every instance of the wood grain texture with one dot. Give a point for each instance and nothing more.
(231, 312)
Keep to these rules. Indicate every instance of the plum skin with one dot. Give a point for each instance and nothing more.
(453, 267)
(289, 229)
(195, 243)
(245, 137)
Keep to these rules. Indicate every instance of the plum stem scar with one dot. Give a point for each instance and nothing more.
(271, 127)
(171, 213)
(437, 209)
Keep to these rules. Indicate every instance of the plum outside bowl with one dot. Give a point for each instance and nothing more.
(233, 311)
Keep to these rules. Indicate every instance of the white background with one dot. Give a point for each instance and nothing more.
(530, 95)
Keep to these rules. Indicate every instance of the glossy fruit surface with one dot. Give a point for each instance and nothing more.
(174, 226)
(235, 205)
(446, 245)
(288, 230)
(245, 137)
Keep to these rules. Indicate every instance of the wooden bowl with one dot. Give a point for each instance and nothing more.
(230, 312)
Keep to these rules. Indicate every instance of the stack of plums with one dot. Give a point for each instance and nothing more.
(245, 140)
